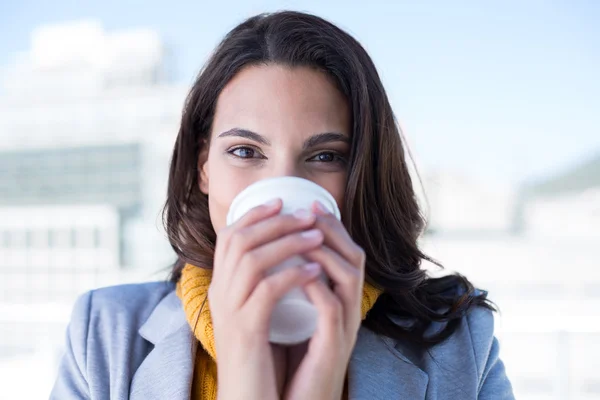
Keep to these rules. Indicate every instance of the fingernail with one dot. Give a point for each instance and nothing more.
(312, 234)
(272, 203)
(312, 267)
(303, 214)
(321, 208)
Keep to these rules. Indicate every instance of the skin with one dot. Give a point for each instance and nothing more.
(286, 107)
(273, 121)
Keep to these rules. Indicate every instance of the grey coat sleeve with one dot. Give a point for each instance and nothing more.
(71, 382)
(494, 384)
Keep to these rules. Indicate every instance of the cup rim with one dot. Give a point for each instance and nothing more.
(283, 181)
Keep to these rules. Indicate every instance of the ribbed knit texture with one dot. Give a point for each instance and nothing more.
(192, 289)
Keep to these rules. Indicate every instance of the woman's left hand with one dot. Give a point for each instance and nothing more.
(321, 367)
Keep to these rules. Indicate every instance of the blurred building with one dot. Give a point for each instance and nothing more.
(566, 206)
(534, 249)
(459, 205)
(87, 125)
(52, 253)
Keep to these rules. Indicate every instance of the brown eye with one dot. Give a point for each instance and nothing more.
(327, 157)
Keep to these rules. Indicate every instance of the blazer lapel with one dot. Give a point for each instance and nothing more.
(378, 367)
(453, 370)
(379, 370)
(166, 373)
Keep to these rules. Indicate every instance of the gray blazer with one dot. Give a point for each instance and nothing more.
(133, 342)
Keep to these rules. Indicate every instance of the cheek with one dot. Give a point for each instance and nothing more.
(221, 193)
(336, 185)
(339, 198)
(224, 184)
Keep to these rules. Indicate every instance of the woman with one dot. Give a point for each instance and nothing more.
(287, 94)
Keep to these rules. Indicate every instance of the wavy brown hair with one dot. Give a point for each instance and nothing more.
(381, 211)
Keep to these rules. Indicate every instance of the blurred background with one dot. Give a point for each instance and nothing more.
(499, 102)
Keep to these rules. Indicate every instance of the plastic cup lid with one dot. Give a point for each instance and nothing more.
(293, 191)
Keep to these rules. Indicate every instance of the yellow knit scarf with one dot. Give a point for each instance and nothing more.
(192, 289)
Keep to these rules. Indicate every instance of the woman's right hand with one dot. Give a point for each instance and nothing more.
(242, 296)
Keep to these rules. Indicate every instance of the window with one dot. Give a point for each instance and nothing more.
(5, 239)
(18, 239)
(98, 238)
(39, 238)
(60, 238)
(592, 289)
(85, 238)
(591, 387)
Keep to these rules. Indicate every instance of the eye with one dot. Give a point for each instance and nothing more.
(243, 152)
(327, 157)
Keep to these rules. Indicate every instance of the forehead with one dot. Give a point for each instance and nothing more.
(281, 101)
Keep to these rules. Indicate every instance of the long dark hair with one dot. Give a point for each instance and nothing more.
(381, 211)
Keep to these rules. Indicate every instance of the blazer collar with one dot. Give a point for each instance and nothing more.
(166, 318)
(378, 368)
(166, 373)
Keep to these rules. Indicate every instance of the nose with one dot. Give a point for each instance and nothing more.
(284, 168)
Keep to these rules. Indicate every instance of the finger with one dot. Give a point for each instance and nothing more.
(341, 272)
(255, 214)
(272, 288)
(330, 311)
(258, 213)
(256, 263)
(269, 229)
(224, 236)
(337, 237)
(347, 280)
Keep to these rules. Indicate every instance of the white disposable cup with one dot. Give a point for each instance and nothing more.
(294, 318)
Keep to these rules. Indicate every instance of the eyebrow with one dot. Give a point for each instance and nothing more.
(244, 133)
(326, 137)
(313, 141)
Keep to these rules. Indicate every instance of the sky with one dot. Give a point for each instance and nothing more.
(501, 91)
